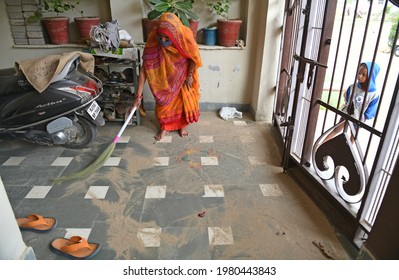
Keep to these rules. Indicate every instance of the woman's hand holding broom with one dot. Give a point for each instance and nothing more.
(137, 101)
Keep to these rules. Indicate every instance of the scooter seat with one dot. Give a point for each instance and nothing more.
(13, 83)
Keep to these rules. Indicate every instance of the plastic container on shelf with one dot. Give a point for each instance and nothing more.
(209, 36)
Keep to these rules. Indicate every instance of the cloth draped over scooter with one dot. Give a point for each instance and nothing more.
(41, 71)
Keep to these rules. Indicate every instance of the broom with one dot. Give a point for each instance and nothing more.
(99, 162)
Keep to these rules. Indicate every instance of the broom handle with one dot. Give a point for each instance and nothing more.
(125, 124)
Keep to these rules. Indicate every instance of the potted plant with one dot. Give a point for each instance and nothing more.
(181, 8)
(57, 26)
(84, 24)
(228, 29)
(147, 24)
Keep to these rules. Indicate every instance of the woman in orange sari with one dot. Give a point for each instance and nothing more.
(170, 65)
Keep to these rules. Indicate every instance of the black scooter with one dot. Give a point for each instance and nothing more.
(65, 113)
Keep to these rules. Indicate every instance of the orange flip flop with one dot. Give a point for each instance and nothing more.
(37, 223)
(75, 247)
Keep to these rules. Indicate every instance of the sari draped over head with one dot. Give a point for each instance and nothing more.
(166, 69)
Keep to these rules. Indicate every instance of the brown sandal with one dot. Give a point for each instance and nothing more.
(37, 223)
(76, 247)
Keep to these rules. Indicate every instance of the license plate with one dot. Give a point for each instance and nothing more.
(93, 110)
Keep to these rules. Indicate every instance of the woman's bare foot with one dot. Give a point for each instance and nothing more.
(183, 132)
(160, 135)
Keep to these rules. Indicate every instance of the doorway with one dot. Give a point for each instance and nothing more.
(348, 157)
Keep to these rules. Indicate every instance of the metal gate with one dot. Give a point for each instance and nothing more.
(350, 156)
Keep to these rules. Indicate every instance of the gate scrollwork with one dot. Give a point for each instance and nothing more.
(338, 159)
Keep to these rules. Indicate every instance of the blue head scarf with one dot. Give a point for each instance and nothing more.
(372, 76)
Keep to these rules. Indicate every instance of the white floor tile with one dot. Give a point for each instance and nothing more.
(270, 190)
(14, 161)
(240, 123)
(112, 161)
(155, 192)
(62, 161)
(161, 161)
(256, 161)
(98, 192)
(206, 139)
(205, 122)
(38, 192)
(213, 191)
(209, 161)
(124, 139)
(151, 237)
(82, 232)
(247, 139)
(166, 139)
(220, 236)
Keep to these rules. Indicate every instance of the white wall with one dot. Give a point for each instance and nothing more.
(12, 246)
(268, 49)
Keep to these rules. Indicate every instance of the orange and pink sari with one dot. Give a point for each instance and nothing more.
(166, 70)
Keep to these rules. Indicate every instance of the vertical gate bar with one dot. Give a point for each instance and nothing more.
(360, 61)
(285, 59)
(320, 73)
(389, 116)
(302, 65)
(388, 70)
(382, 91)
(334, 68)
(392, 105)
(349, 48)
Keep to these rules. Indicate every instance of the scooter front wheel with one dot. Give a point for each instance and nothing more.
(85, 133)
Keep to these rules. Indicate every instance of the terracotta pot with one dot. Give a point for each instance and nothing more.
(148, 25)
(84, 25)
(57, 29)
(228, 31)
(194, 27)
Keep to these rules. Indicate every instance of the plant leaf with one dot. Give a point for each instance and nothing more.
(191, 14)
(154, 14)
(162, 7)
(183, 17)
(154, 2)
(183, 5)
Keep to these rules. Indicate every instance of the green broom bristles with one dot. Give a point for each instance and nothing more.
(93, 167)
(98, 163)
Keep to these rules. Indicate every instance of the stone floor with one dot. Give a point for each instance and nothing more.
(218, 194)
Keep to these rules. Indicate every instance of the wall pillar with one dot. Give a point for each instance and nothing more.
(268, 39)
(11, 243)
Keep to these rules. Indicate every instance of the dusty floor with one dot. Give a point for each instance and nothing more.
(220, 193)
